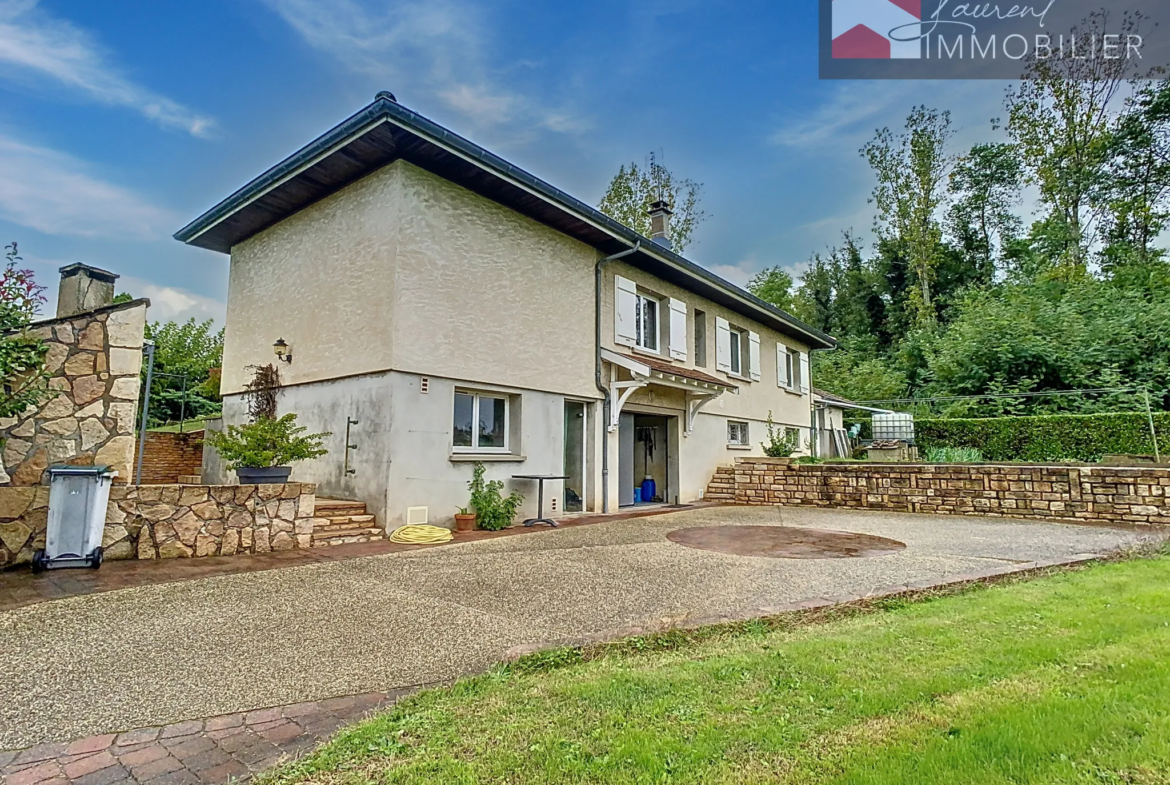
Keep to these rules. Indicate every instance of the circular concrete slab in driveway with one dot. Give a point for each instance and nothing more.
(784, 542)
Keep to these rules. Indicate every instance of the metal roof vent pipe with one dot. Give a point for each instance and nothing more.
(660, 223)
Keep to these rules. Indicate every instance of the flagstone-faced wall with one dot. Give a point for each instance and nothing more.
(94, 358)
(172, 521)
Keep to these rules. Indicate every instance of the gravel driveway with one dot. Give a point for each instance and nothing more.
(164, 653)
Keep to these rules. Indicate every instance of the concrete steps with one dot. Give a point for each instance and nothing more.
(340, 521)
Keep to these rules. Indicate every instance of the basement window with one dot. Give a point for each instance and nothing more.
(737, 433)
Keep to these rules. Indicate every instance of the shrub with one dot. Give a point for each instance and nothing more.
(266, 443)
(952, 455)
(781, 442)
(493, 511)
(1064, 437)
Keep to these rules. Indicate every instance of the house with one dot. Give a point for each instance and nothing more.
(829, 419)
(439, 306)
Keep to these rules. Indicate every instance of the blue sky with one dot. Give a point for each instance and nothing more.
(121, 121)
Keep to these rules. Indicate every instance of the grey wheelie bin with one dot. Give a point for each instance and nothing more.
(78, 496)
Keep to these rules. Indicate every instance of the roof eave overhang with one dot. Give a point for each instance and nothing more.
(617, 235)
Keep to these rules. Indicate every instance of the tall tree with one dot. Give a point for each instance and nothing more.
(911, 170)
(1135, 193)
(773, 285)
(632, 190)
(1059, 117)
(985, 186)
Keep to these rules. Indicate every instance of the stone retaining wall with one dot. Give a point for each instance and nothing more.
(1085, 493)
(172, 521)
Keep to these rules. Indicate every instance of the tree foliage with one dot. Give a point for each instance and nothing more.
(959, 297)
(22, 354)
(632, 190)
(267, 442)
(773, 285)
(911, 170)
(187, 359)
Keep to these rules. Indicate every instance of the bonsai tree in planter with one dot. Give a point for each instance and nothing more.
(493, 511)
(260, 452)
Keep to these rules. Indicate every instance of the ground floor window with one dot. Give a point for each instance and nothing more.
(481, 422)
(737, 433)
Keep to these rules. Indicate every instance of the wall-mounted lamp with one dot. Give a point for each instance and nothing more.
(281, 349)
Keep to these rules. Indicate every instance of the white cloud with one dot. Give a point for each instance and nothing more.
(849, 117)
(735, 273)
(479, 105)
(51, 192)
(169, 303)
(35, 44)
(436, 46)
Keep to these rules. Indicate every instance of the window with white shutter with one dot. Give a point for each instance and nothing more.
(805, 376)
(783, 375)
(678, 329)
(754, 356)
(625, 311)
(722, 345)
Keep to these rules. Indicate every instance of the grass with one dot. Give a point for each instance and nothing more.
(1062, 679)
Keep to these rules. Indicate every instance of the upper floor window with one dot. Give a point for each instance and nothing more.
(737, 351)
(646, 323)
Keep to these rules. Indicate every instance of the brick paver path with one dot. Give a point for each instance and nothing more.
(197, 752)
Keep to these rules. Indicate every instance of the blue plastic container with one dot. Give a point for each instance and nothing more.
(637, 496)
(648, 489)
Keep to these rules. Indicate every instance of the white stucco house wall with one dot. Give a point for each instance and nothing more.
(442, 307)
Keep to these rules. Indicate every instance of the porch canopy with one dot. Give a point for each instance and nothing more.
(700, 388)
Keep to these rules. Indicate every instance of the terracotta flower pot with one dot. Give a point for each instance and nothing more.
(464, 523)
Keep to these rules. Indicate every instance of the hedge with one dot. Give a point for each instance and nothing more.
(1063, 437)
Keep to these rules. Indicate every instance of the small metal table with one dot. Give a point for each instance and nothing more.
(540, 478)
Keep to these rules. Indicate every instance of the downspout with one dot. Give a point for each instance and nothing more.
(597, 371)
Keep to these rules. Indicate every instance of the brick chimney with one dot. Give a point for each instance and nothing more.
(84, 288)
(660, 223)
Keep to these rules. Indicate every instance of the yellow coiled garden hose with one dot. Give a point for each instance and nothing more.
(421, 535)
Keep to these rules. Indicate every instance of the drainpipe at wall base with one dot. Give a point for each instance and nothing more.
(597, 371)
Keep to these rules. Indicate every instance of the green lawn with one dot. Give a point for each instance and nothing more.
(1063, 679)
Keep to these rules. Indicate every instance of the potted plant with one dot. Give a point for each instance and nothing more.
(464, 520)
(493, 510)
(260, 452)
